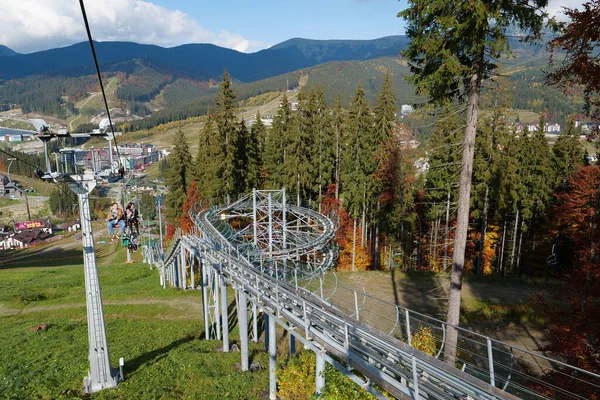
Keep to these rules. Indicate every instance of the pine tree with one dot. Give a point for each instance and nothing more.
(209, 161)
(274, 151)
(338, 127)
(356, 154)
(486, 163)
(453, 48)
(357, 162)
(444, 164)
(384, 153)
(385, 111)
(298, 141)
(258, 137)
(229, 135)
(568, 155)
(178, 177)
(537, 174)
(324, 146)
(250, 150)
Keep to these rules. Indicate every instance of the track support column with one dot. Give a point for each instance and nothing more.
(205, 299)
(183, 271)
(266, 325)
(320, 373)
(272, 358)
(292, 344)
(224, 315)
(242, 308)
(254, 323)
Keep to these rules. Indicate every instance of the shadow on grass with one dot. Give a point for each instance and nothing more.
(419, 291)
(41, 258)
(155, 355)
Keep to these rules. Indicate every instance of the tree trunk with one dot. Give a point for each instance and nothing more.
(446, 235)
(514, 244)
(431, 247)
(519, 269)
(483, 232)
(354, 247)
(376, 233)
(462, 218)
(501, 266)
(363, 229)
(530, 270)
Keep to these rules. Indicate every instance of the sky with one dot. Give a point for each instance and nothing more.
(248, 26)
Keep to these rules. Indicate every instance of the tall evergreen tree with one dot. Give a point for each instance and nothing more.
(385, 154)
(229, 135)
(178, 177)
(338, 126)
(209, 161)
(258, 137)
(357, 161)
(486, 163)
(250, 150)
(567, 155)
(537, 174)
(444, 164)
(385, 111)
(274, 150)
(298, 162)
(324, 145)
(453, 49)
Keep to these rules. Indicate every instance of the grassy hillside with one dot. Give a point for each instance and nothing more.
(158, 332)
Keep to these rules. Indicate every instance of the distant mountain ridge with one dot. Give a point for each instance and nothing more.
(6, 52)
(198, 61)
(345, 50)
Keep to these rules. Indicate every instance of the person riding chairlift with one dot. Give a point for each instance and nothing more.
(115, 217)
(132, 218)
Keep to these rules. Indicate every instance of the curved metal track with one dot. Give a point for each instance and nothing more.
(250, 246)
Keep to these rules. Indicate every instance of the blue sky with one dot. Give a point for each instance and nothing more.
(243, 25)
(272, 21)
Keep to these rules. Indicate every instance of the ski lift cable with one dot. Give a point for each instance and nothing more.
(89, 34)
(31, 165)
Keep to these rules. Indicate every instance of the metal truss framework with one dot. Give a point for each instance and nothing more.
(248, 246)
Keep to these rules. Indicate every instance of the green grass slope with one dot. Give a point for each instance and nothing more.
(158, 332)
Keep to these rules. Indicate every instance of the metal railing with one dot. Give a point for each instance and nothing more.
(393, 347)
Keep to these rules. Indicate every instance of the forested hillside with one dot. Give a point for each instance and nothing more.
(143, 85)
(51, 95)
(530, 93)
(339, 78)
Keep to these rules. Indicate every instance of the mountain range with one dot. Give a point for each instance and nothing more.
(179, 82)
(197, 61)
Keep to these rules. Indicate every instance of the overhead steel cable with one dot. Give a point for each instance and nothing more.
(89, 34)
(29, 164)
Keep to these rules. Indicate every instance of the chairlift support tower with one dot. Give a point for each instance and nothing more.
(100, 375)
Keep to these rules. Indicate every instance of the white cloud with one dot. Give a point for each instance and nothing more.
(555, 7)
(33, 25)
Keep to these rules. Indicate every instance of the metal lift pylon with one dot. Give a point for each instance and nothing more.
(101, 375)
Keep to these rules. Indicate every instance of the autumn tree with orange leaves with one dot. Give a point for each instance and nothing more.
(574, 322)
(345, 233)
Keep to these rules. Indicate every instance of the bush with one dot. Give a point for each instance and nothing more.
(424, 340)
(297, 381)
